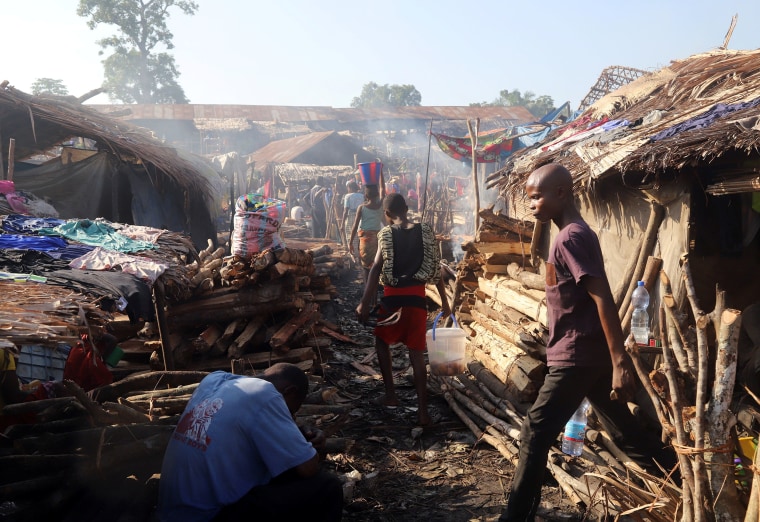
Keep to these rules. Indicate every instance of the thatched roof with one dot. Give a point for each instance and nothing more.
(656, 102)
(300, 171)
(37, 123)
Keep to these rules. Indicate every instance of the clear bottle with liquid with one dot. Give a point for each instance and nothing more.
(575, 430)
(640, 317)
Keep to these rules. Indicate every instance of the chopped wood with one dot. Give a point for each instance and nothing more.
(244, 341)
(282, 336)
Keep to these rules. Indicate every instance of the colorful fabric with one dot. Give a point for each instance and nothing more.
(236, 433)
(493, 146)
(97, 233)
(19, 224)
(705, 119)
(411, 327)
(367, 247)
(23, 242)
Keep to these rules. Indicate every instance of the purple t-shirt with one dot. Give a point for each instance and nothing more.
(576, 337)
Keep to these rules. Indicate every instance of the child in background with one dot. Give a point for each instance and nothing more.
(407, 258)
(368, 222)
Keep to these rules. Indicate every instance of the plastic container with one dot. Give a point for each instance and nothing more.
(370, 172)
(43, 363)
(575, 430)
(640, 317)
(446, 348)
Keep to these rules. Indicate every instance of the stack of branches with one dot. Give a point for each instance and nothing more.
(177, 252)
(67, 452)
(695, 416)
(602, 481)
(37, 313)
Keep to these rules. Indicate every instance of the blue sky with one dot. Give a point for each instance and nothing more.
(309, 52)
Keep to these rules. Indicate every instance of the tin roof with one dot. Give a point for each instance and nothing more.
(293, 114)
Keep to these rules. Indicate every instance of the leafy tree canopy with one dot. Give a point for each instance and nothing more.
(137, 71)
(49, 86)
(374, 95)
(538, 106)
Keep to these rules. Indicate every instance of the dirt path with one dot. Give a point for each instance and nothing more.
(403, 472)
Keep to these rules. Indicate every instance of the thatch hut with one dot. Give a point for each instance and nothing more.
(683, 138)
(128, 175)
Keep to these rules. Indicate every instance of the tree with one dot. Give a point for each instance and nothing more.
(374, 95)
(136, 71)
(49, 86)
(538, 107)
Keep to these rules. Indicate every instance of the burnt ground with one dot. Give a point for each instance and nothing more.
(400, 471)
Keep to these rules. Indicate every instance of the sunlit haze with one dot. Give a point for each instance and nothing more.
(303, 52)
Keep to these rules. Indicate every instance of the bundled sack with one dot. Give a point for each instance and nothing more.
(257, 225)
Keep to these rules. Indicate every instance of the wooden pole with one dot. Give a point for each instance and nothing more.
(474, 140)
(163, 331)
(2, 167)
(11, 163)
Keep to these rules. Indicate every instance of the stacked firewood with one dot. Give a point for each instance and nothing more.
(266, 302)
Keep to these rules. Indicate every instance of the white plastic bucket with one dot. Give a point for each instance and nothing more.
(446, 349)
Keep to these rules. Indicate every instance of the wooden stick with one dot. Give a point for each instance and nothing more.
(11, 159)
(702, 490)
(682, 437)
(721, 420)
(656, 214)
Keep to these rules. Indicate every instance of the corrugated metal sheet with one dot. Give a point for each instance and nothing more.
(294, 114)
(285, 151)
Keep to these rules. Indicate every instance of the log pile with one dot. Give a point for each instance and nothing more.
(242, 306)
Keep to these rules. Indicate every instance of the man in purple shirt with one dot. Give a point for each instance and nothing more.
(585, 353)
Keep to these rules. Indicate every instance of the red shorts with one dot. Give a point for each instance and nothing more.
(411, 328)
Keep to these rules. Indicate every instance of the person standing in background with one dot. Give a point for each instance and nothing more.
(351, 203)
(368, 222)
(319, 206)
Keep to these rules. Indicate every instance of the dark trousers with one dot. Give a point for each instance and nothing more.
(561, 394)
(318, 498)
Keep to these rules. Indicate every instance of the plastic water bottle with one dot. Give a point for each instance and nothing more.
(640, 317)
(575, 430)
